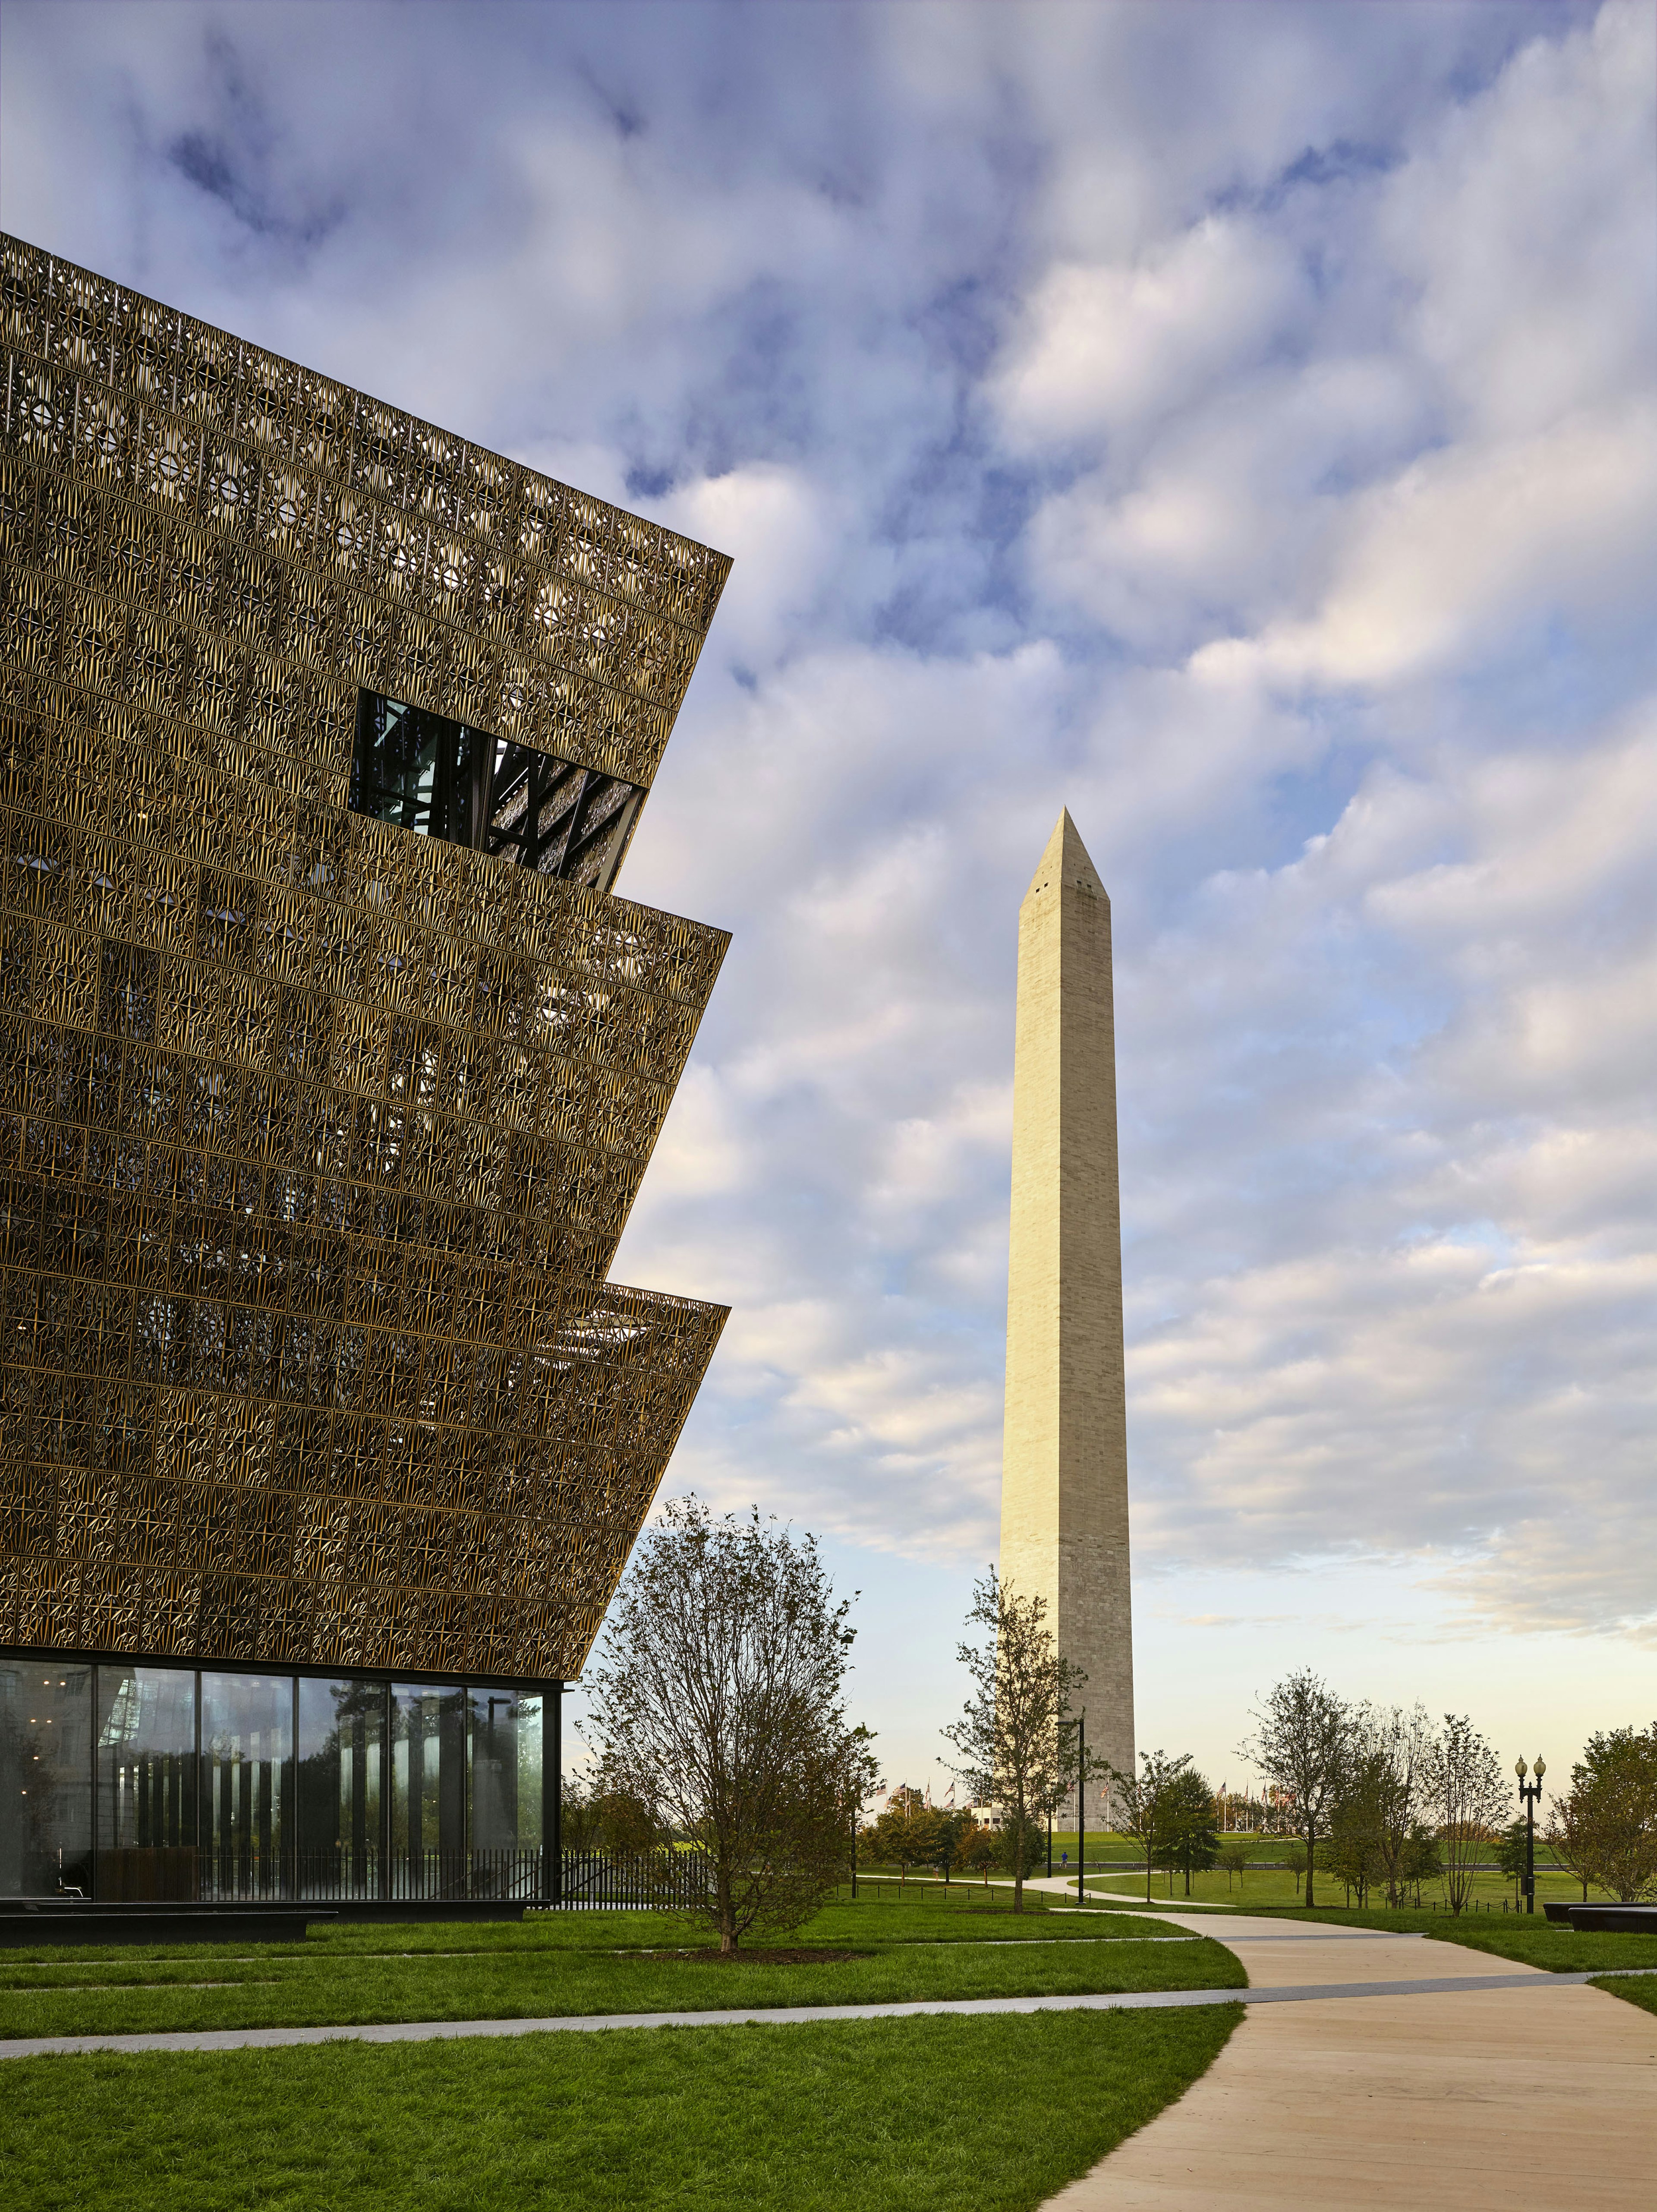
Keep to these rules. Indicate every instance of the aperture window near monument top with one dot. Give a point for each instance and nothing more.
(422, 772)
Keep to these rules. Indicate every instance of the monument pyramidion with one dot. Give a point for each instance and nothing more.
(1063, 1482)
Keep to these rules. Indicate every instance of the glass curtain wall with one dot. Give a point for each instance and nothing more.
(246, 1781)
(161, 1785)
(505, 1752)
(341, 1746)
(45, 1778)
(428, 1790)
(146, 1784)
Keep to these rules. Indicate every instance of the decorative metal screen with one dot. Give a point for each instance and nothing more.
(316, 1137)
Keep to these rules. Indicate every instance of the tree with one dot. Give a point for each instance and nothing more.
(1011, 1735)
(598, 1819)
(1604, 1827)
(956, 1839)
(978, 1849)
(1422, 1858)
(1302, 1743)
(1510, 1853)
(909, 1833)
(719, 1708)
(1351, 1850)
(1390, 1748)
(1234, 1857)
(1468, 1794)
(1296, 1858)
(1191, 1844)
(1146, 1805)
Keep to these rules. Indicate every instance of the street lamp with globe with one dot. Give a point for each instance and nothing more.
(1529, 1792)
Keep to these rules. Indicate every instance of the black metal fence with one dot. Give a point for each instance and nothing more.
(673, 1879)
(668, 1878)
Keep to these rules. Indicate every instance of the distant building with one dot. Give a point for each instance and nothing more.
(330, 1066)
(1064, 1480)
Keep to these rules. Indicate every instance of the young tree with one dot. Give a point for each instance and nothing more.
(598, 1819)
(955, 1836)
(1011, 1735)
(1302, 1743)
(719, 1708)
(1191, 1844)
(978, 1849)
(1605, 1827)
(1351, 1851)
(1296, 1858)
(1468, 1792)
(1390, 1754)
(1510, 1852)
(1145, 1805)
(1234, 1857)
(1422, 1859)
(909, 1833)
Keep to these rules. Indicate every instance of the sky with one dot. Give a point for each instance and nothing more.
(1235, 423)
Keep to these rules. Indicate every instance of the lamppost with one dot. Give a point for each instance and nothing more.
(1528, 1794)
(1080, 1725)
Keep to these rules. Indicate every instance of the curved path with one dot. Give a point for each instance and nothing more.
(1428, 2099)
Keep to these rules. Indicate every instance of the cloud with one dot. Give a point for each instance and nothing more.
(1234, 424)
(1104, 350)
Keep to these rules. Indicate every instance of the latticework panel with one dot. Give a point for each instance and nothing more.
(226, 531)
(316, 1137)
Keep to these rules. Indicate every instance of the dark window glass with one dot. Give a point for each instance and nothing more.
(45, 1778)
(441, 778)
(145, 1784)
(428, 1790)
(503, 1791)
(246, 1783)
(341, 1732)
(420, 771)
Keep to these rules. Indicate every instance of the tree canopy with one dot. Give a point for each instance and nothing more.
(717, 1707)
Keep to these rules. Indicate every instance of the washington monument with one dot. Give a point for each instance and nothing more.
(1063, 1469)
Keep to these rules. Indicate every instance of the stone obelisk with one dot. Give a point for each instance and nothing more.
(1063, 1479)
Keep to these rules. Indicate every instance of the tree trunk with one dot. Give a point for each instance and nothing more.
(1311, 1853)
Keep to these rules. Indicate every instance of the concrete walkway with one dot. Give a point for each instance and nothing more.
(1273, 1991)
(1450, 2086)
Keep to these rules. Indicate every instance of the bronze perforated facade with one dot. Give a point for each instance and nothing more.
(317, 1136)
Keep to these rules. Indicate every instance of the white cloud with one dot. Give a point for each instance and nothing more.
(1241, 434)
(1104, 348)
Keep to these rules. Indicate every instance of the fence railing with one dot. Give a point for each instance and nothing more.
(670, 1879)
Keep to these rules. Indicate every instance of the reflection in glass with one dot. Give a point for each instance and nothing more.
(246, 1783)
(45, 1778)
(428, 1790)
(341, 1732)
(145, 1718)
(503, 1792)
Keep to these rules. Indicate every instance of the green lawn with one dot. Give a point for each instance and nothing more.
(1642, 1992)
(1267, 1885)
(914, 2115)
(1528, 1938)
(585, 1963)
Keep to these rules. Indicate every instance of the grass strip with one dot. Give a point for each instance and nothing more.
(340, 1985)
(1632, 1990)
(917, 2115)
(1529, 1939)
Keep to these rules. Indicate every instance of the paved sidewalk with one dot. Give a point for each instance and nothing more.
(1453, 2085)
(1277, 1992)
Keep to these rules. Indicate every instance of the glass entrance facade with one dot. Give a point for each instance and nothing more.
(134, 1783)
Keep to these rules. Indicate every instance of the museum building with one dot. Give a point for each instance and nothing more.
(330, 1064)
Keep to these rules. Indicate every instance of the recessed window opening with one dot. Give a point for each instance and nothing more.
(420, 771)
